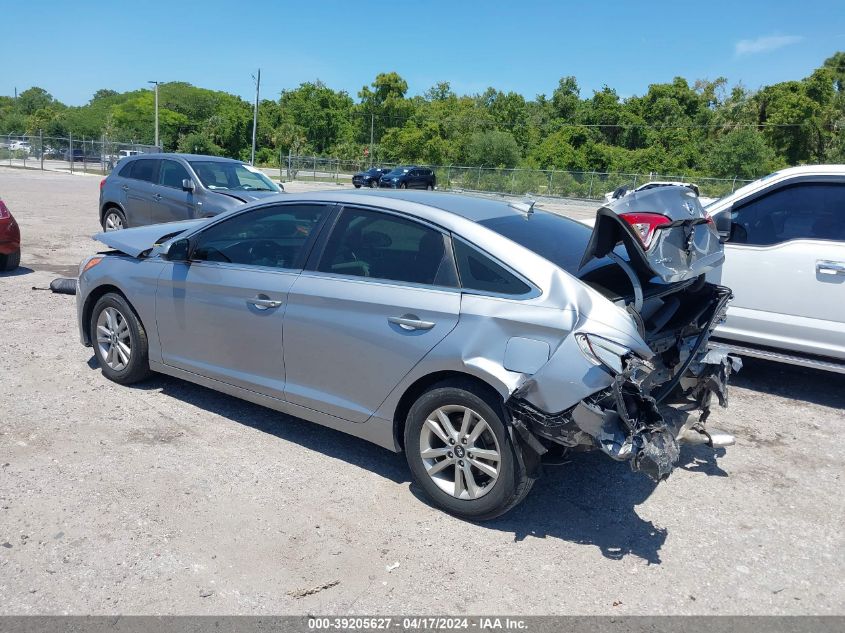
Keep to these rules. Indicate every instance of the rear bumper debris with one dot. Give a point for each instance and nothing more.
(648, 410)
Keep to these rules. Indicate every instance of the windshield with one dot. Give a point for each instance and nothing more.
(560, 240)
(399, 171)
(219, 175)
(373, 171)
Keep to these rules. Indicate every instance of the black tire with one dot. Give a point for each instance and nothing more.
(115, 211)
(357, 186)
(430, 187)
(138, 367)
(403, 185)
(512, 483)
(11, 261)
(373, 184)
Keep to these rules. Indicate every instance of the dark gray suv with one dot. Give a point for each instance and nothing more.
(154, 188)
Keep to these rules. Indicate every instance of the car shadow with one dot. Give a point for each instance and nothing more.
(17, 272)
(790, 381)
(588, 499)
(342, 446)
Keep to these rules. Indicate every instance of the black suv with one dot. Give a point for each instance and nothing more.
(409, 178)
(369, 178)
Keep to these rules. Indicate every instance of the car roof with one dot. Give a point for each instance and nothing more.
(203, 157)
(473, 208)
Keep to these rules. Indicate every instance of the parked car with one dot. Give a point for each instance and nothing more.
(369, 178)
(81, 156)
(471, 334)
(785, 261)
(21, 146)
(409, 178)
(625, 189)
(154, 188)
(10, 239)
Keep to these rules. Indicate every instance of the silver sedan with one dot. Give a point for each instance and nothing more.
(472, 334)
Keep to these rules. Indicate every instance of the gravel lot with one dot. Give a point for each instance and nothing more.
(169, 498)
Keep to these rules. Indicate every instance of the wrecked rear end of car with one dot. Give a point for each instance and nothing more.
(659, 386)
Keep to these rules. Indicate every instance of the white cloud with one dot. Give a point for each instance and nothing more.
(765, 44)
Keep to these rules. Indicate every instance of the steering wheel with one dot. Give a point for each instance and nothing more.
(266, 249)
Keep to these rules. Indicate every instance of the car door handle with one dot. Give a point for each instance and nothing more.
(263, 303)
(157, 197)
(830, 268)
(124, 187)
(411, 322)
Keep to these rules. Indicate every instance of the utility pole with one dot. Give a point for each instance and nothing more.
(156, 89)
(255, 116)
(372, 121)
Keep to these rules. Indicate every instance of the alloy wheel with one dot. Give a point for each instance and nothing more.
(113, 221)
(114, 338)
(460, 452)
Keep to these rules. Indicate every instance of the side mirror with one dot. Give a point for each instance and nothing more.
(723, 225)
(179, 251)
(187, 184)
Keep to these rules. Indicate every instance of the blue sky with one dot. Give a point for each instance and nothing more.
(73, 48)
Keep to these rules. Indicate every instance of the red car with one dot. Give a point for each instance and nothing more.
(10, 240)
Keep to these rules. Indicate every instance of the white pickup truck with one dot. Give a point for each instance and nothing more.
(785, 262)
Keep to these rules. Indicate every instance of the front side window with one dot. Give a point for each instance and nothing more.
(274, 237)
(801, 211)
(144, 169)
(171, 174)
(232, 176)
(382, 246)
(479, 272)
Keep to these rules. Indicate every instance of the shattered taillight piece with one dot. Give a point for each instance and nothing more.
(645, 224)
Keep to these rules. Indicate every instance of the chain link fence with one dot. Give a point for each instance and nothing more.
(88, 155)
(591, 185)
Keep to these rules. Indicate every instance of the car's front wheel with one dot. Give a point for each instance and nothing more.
(119, 340)
(460, 453)
(357, 186)
(403, 185)
(373, 184)
(10, 261)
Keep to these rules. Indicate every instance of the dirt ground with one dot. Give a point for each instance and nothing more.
(169, 498)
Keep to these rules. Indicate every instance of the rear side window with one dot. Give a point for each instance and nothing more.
(479, 272)
(171, 174)
(371, 244)
(144, 169)
(126, 170)
(274, 237)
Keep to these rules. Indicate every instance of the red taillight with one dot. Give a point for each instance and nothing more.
(4, 211)
(645, 224)
(102, 184)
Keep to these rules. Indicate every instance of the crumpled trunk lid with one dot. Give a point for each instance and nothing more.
(686, 247)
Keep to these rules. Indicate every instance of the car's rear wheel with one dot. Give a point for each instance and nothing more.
(10, 261)
(460, 453)
(113, 219)
(119, 340)
(430, 187)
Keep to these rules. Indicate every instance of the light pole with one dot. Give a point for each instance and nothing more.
(255, 116)
(156, 89)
